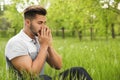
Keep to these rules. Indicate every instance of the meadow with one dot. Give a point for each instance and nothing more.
(100, 58)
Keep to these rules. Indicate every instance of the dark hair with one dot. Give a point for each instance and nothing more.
(31, 11)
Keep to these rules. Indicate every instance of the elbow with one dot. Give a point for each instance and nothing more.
(60, 63)
(59, 66)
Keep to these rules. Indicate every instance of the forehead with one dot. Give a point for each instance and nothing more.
(40, 17)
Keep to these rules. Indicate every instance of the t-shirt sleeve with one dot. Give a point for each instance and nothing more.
(14, 49)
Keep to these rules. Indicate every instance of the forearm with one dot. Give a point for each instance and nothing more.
(54, 58)
(26, 64)
(44, 40)
(38, 63)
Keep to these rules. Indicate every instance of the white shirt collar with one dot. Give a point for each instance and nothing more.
(25, 36)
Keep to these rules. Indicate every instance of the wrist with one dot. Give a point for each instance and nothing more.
(44, 46)
(49, 48)
(50, 45)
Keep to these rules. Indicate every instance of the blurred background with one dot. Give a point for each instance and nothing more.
(67, 18)
(86, 33)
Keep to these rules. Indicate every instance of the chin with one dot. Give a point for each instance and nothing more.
(35, 34)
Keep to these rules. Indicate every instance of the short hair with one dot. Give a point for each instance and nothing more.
(31, 11)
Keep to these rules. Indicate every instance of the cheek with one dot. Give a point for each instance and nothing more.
(38, 27)
(35, 26)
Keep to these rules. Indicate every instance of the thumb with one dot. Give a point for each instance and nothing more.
(38, 34)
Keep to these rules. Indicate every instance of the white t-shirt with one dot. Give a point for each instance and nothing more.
(20, 45)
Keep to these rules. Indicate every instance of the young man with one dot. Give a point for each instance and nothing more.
(28, 51)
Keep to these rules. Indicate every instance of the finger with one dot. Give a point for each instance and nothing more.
(38, 33)
(42, 31)
(46, 26)
(49, 33)
(39, 37)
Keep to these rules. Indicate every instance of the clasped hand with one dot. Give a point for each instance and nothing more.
(44, 36)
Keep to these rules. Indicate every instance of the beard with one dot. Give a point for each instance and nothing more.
(33, 30)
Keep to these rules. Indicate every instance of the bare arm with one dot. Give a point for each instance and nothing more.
(26, 63)
(54, 59)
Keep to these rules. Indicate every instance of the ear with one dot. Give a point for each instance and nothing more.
(27, 22)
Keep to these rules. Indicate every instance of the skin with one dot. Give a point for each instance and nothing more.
(37, 27)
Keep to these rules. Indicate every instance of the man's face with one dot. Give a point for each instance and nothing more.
(36, 24)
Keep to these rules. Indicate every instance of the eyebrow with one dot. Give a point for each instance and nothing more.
(42, 21)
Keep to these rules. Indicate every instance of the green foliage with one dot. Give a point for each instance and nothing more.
(70, 14)
(81, 14)
(4, 24)
(14, 17)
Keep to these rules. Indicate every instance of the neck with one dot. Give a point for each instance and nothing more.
(28, 32)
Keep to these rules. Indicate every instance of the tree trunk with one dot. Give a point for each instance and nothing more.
(80, 34)
(73, 33)
(63, 32)
(113, 31)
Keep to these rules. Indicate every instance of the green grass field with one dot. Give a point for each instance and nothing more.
(100, 58)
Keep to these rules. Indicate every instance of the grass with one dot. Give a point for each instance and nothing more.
(100, 58)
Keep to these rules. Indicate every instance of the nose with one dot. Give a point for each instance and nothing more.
(43, 24)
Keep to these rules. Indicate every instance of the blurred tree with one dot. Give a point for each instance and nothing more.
(75, 15)
(14, 12)
(14, 17)
(4, 24)
(109, 13)
(72, 14)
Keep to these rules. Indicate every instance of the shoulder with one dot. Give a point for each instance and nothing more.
(14, 40)
(15, 47)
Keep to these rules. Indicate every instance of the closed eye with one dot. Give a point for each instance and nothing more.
(41, 22)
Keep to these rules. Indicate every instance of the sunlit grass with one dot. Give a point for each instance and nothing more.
(100, 58)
